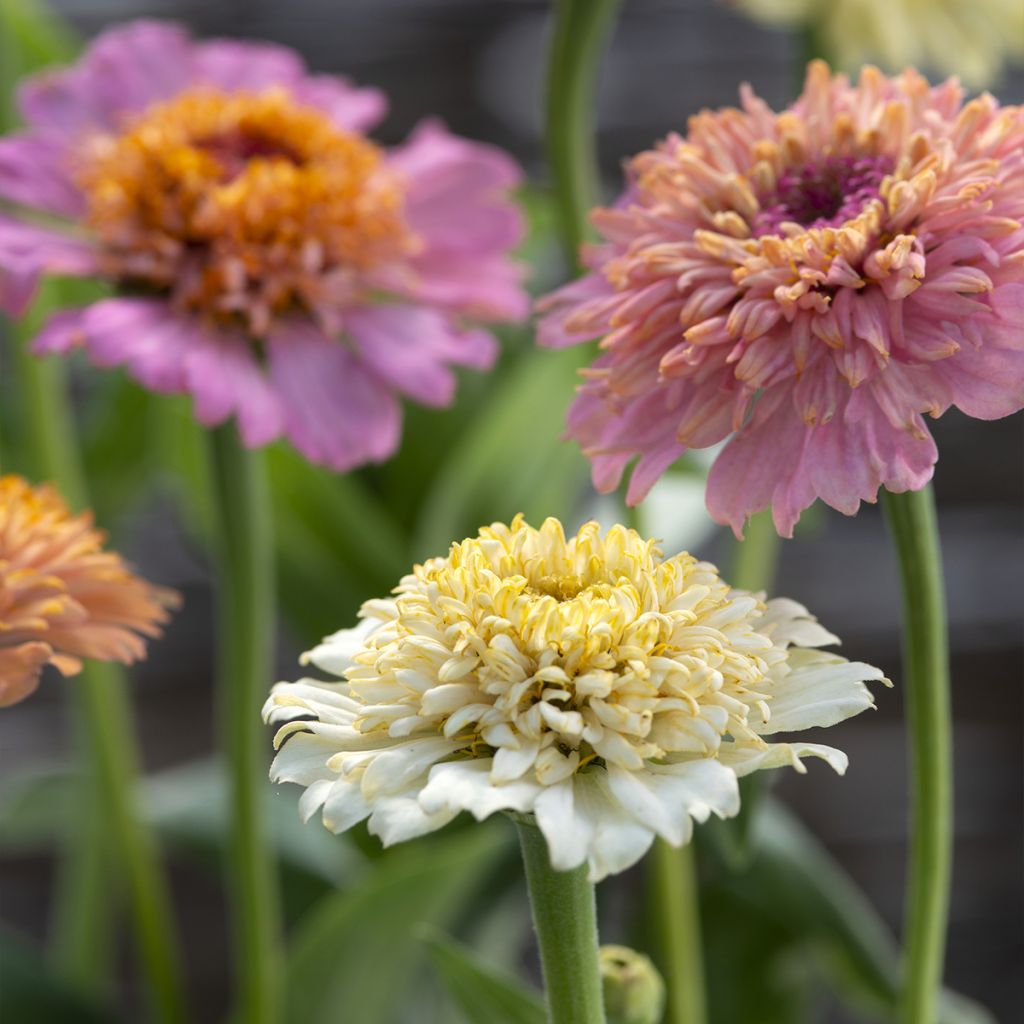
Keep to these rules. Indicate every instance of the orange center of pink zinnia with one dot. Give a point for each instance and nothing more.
(242, 205)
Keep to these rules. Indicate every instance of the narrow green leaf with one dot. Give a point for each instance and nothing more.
(511, 461)
(484, 994)
(30, 38)
(355, 956)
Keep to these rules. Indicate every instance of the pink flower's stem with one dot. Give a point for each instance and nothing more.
(912, 522)
(246, 642)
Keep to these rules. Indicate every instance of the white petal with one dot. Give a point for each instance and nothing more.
(665, 797)
(393, 769)
(743, 759)
(303, 759)
(313, 798)
(619, 840)
(819, 691)
(467, 786)
(566, 827)
(788, 623)
(511, 763)
(345, 806)
(400, 817)
(336, 652)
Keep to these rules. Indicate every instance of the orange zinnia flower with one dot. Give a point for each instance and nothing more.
(62, 597)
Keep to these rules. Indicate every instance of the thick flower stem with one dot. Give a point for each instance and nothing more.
(677, 922)
(246, 631)
(579, 34)
(565, 919)
(912, 523)
(109, 822)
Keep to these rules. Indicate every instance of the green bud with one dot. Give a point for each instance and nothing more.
(633, 990)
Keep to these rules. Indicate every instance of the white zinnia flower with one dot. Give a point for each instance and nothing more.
(610, 693)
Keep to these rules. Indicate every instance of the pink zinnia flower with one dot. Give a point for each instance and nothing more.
(62, 597)
(267, 257)
(811, 281)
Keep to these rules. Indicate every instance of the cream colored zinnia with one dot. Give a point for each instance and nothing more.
(613, 694)
(969, 38)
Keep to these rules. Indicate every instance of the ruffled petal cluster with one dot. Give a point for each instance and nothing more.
(612, 694)
(266, 256)
(974, 40)
(62, 597)
(811, 282)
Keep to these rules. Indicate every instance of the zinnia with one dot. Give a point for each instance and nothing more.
(267, 256)
(62, 597)
(813, 280)
(610, 693)
(971, 39)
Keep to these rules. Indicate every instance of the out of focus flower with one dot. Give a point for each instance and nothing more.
(812, 280)
(610, 693)
(62, 597)
(969, 38)
(268, 258)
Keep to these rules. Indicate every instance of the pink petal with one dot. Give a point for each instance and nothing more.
(409, 346)
(565, 303)
(235, 65)
(457, 204)
(32, 173)
(26, 251)
(125, 68)
(225, 378)
(754, 468)
(336, 411)
(988, 381)
(349, 106)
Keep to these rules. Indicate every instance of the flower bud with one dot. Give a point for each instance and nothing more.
(634, 992)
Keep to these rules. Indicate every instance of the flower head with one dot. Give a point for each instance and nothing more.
(972, 40)
(812, 281)
(267, 256)
(62, 597)
(611, 693)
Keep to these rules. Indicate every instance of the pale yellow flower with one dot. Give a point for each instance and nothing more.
(969, 38)
(612, 694)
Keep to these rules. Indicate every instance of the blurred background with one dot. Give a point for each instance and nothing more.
(480, 66)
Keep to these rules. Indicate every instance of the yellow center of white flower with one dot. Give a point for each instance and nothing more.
(550, 654)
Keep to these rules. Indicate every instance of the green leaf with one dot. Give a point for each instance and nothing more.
(793, 880)
(510, 461)
(30, 38)
(356, 954)
(29, 991)
(483, 994)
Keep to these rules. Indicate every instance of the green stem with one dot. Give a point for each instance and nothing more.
(246, 631)
(579, 36)
(676, 911)
(110, 824)
(755, 558)
(912, 523)
(565, 919)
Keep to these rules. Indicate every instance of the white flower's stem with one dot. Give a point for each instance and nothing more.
(565, 919)
(912, 522)
(676, 915)
(246, 636)
(109, 839)
(579, 35)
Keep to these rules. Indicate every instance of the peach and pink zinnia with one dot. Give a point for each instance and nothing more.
(265, 255)
(810, 283)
